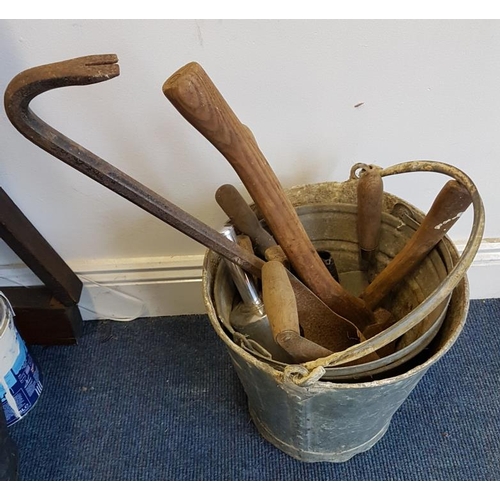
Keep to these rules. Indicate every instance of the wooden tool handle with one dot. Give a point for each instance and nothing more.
(245, 242)
(279, 299)
(243, 217)
(281, 309)
(276, 253)
(369, 201)
(195, 96)
(450, 203)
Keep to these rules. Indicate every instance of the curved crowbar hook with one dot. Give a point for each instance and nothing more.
(33, 82)
(85, 71)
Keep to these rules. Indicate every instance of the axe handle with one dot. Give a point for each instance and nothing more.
(450, 203)
(195, 96)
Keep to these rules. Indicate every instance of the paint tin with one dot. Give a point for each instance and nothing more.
(20, 377)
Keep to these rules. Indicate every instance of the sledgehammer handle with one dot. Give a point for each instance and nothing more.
(450, 203)
(195, 96)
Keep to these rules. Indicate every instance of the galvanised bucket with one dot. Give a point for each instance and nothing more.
(321, 410)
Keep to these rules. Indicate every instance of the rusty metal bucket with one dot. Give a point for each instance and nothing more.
(321, 410)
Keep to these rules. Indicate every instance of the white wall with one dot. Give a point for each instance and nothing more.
(430, 91)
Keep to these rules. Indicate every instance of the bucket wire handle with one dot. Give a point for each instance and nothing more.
(448, 284)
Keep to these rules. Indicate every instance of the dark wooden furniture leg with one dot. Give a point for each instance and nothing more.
(46, 314)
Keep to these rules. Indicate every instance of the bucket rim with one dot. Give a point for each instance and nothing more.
(460, 295)
(310, 372)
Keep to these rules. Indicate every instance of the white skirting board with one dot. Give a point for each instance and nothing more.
(484, 273)
(124, 289)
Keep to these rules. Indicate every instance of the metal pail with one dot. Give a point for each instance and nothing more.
(320, 411)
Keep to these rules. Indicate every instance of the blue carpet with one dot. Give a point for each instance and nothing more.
(157, 399)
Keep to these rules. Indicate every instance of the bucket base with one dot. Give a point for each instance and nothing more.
(310, 456)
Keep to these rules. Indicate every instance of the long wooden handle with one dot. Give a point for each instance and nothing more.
(450, 203)
(369, 201)
(195, 96)
(243, 217)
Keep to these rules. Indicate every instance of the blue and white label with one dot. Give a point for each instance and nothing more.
(20, 378)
